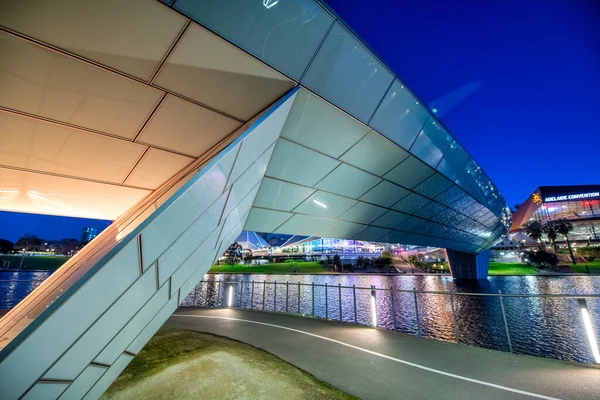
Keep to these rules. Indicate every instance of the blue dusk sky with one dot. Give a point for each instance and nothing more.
(516, 81)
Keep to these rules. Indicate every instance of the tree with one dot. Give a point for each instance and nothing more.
(564, 226)
(534, 230)
(68, 245)
(6, 246)
(233, 253)
(541, 259)
(413, 259)
(337, 261)
(29, 242)
(550, 231)
(360, 262)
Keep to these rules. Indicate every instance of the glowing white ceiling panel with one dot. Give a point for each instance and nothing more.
(42, 146)
(44, 194)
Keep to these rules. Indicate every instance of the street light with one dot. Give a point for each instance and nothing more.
(373, 307)
(587, 322)
(230, 296)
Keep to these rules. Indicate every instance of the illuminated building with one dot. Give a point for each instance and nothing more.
(578, 204)
(88, 234)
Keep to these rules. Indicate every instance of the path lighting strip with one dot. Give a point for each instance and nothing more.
(230, 296)
(373, 307)
(587, 322)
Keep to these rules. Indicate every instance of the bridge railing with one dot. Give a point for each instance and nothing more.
(547, 325)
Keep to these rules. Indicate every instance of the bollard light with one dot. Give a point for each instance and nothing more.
(373, 308)
(230, 296)
(587, 322)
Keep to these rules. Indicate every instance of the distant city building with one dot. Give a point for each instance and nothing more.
(508, 249)
(89, 233)
(506, 244)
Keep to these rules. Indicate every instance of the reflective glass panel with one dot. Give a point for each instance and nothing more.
(431, 143)
(453, 161)
(410, 173)
(400, 116)
(375, 154)
(348, 75)
(285, 35)
(317, 124)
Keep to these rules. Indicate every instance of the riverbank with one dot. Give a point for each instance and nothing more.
(32, 263)
(181, 364)
(304, 267)
(51, 263)
(315, 268)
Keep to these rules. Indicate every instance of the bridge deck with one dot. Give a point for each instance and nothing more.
(376, 364)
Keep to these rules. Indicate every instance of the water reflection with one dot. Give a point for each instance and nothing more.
(546, 327)
(15, 286)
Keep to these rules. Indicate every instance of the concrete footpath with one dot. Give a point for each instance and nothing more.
(376, 364)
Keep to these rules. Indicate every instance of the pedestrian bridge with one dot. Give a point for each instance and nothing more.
(282, 121)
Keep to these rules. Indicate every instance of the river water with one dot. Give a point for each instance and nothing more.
(546, 327)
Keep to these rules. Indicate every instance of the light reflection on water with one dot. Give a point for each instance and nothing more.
(14, 286)
(547, 327)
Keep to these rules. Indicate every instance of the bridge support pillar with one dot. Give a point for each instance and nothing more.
(468, 265)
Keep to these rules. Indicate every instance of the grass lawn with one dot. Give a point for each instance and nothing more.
(49, 263)
(497, 268)
(308, 267)
(179, 364)
(594, 267)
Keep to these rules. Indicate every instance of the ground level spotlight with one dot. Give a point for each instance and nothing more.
(230, 296)
(589, 329)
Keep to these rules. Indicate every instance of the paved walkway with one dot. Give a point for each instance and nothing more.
(376, 364)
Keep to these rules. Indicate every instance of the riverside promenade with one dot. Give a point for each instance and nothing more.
(376, 364)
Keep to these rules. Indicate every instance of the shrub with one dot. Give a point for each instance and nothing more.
(383, 261)
(589, 251)
(540, 259)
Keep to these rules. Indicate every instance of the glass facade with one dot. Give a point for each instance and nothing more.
(578, 204)
(583, 214)
(331, 246)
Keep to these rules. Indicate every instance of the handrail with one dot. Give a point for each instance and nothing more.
(566, 295)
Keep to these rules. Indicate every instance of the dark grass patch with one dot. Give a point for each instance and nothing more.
(170, 347)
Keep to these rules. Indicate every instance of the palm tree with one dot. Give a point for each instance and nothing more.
(534, 230)
(550, 231)
(564, 226)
